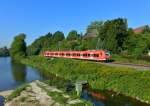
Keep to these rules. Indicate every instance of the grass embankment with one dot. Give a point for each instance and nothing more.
(129, 59)
(126, 81)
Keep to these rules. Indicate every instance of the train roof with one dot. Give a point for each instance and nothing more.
(78, 51)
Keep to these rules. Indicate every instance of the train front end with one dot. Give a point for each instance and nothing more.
(107, 55)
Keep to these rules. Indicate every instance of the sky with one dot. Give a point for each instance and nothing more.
(38, 17)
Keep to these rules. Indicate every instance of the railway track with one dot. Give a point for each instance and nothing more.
(130, 65)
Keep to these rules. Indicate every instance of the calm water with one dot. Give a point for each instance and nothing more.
(14, 74)
(107, 98)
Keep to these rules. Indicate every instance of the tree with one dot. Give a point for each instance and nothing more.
(73, 35)
(58, 36)
(142, 45)
(130, 42)
(95, 26)
(146, 29)
(4, 52)
(18, 47)
(39, 44)
(114, 33)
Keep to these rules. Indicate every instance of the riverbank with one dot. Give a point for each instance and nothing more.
(123, 80)
(6, 93)
(38, 93)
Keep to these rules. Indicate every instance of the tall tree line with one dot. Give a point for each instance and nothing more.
(112, 35)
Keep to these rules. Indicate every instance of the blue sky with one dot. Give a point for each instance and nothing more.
(38, 17)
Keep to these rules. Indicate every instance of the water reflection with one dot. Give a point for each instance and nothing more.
(107, 98)
(13, 74)
(18, 71)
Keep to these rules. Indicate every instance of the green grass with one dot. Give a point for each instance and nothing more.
(62, 100)
(128, 59)
(58, 97)
(127, 81)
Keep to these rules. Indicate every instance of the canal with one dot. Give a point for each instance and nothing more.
(14, 74)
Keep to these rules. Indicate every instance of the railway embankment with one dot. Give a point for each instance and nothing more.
(123, 80)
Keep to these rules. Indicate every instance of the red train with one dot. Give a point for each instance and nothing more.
(99, 55)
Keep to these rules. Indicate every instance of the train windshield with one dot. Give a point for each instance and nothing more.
(107, 53)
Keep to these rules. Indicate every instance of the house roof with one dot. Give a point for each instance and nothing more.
(139, 29)
(92, 34)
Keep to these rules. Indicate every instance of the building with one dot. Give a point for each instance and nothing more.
(90, 35)
(139, 29)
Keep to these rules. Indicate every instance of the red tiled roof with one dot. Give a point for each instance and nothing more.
(139, 29)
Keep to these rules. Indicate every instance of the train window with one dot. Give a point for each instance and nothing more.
(88, 55)
(85, 55)
(68, 54)
(96, 55)
(78, 54)
(107, 54)
(73, 54)
(56, 53)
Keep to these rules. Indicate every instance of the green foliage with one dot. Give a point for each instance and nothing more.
(89, 44)
(40, 43)
(58, 97)
(95, 27)
(18, 47)
(124, 80)
(114, 34)
(58, 36)
(130, 41)
(73, 35)
(128, 59)
(4, 52)
(146, 29)
(142, 45)
(111, 34)
(70, 45)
